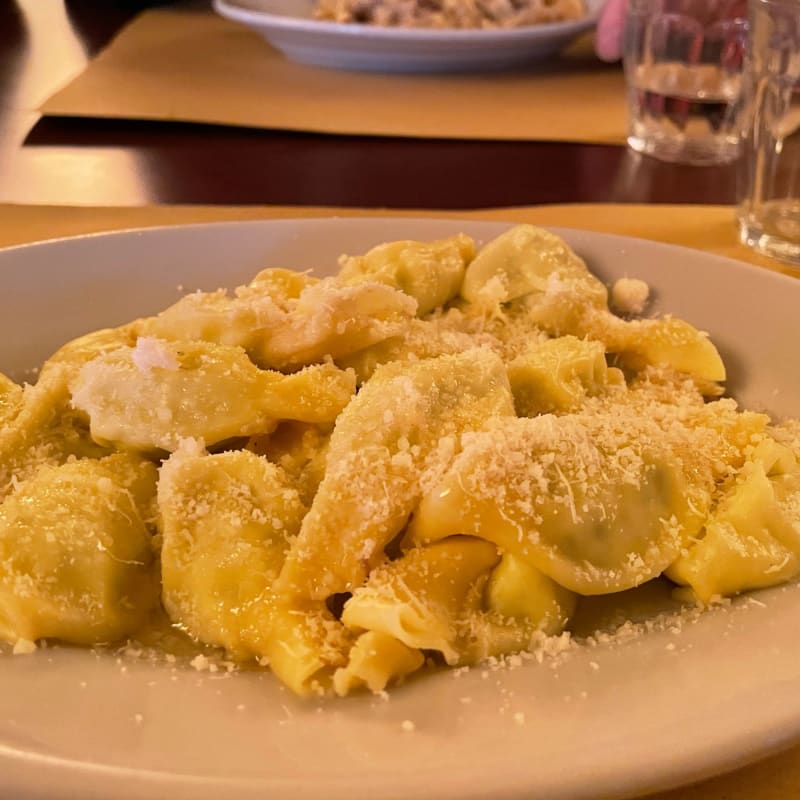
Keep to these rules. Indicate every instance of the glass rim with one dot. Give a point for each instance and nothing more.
(779, 3)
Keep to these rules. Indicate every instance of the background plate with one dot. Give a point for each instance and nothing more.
(288, 25)
(648, 712)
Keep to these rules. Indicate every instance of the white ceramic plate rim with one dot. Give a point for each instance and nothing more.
(756, 667)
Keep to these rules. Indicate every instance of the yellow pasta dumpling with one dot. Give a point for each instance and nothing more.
(596, 502)
(422, 338)
(406, 419)
(552, 285)
(521, 606)
(306, 645)
(526, 260)
(76, 560)
(710, 439)
(10, 400)
(255, 311)
(665, 341)
(375, 660)
(451, 597)
(330, 320)
(226, 521)
(213, 317)
(41, 426)
(286, 320)
(558, 374)
(280, 285)
(256, 308)
(425, 598)
(430, 272)
(44, 429)
(516, 590)
(726, 435)
(299, 448)
(753, 538)
(154, 395)
(69, 358)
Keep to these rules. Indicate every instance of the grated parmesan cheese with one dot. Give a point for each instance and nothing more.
(24, 647)
(151, 352)
(629, 296)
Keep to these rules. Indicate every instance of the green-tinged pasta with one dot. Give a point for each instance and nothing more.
(559, 374)
(422, 338)
(527, 261)
(405, 420)
(76, 558)
(430, 272)
(597, 504)
(151, 397)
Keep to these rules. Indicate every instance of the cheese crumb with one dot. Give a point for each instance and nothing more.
(151, 352)
(408, 726)
(200, 663)
(630, 295)
(24, 647)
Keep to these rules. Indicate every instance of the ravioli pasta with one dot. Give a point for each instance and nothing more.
(441, 454)
(450, 13)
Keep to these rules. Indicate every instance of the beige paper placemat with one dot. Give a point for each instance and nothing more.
(191, 65)
(706, 227)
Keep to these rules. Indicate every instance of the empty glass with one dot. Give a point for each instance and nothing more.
(683, 69)
(769, 174)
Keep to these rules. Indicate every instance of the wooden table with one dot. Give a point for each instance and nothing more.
(44, 43)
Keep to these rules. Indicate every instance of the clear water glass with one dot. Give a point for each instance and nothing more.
(769, 171)
(683, 68)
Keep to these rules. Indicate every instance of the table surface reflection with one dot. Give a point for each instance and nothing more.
(58, 160)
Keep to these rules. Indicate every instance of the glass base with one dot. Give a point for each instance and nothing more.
(775, 231)
(686, 150)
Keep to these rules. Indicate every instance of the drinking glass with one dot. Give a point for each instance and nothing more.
(769, 171)
(683, 68)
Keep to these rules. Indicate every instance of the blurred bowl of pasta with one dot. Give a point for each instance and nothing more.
(337, 35)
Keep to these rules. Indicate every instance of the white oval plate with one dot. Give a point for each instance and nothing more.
(653, 711)
(289, 26)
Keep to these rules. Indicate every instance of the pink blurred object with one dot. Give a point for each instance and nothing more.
(611, 24)
(608, 41)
